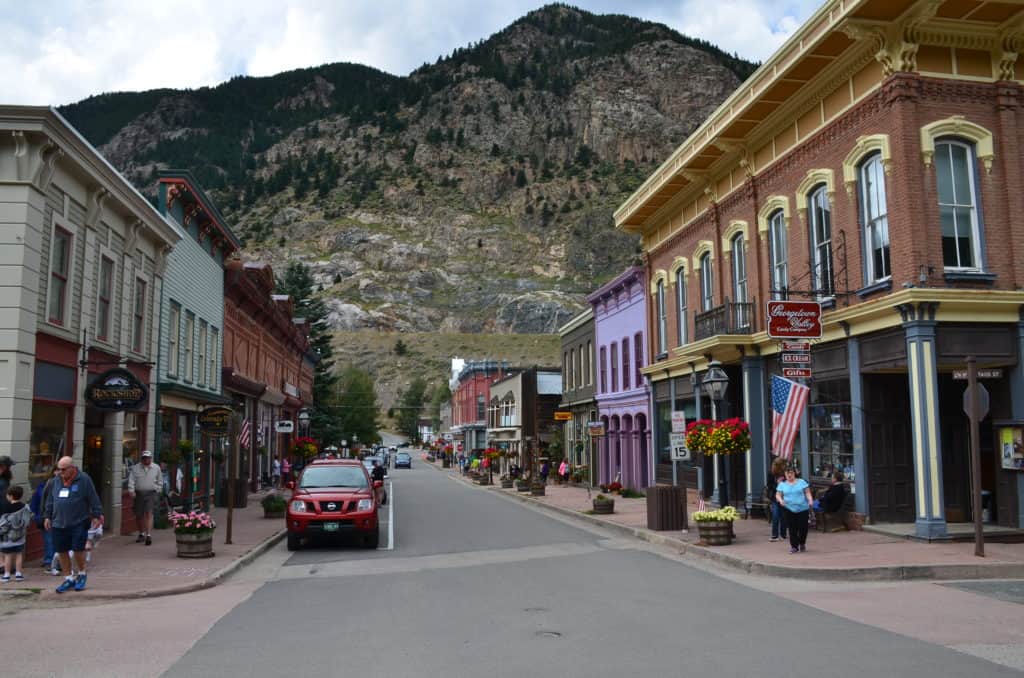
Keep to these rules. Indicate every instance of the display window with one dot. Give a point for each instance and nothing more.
(47, 442)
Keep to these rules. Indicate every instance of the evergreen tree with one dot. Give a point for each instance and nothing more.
(410, 403)
(440, 396)
(355, 406)
(297, 282)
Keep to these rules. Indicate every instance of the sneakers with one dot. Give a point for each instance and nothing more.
(66, 585)
(803, 547)
(794, 549)
(149, 540)
(55, 571)
(139, 538)
(80, 582)
(18, 576)
(5, 578)
(774, 539)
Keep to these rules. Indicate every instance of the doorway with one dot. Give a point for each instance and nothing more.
(889, 448)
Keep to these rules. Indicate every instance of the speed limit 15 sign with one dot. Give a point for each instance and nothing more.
(677, 443)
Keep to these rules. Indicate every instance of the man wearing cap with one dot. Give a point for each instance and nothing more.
(71, 509)
(145, 482)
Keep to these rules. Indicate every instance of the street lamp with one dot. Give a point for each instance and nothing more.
(304, 421)
(715, 384)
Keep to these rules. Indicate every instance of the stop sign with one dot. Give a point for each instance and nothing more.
(981, 399)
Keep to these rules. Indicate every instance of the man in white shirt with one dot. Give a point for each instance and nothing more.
(145, 482)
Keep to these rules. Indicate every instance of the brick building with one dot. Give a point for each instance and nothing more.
(268, 362)
(470, 393)
(871, 164)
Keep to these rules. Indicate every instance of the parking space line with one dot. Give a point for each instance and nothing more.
(391, 516)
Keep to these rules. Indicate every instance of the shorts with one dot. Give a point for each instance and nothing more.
(70, 538)
(145, 502)
(20, 548)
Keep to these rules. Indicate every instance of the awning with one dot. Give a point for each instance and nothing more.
(199, 396)
(272, 397)
(237, 383)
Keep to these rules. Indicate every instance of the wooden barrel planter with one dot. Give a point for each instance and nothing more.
(605, 506)
(715, 532)
(537, 490)
(195, 545)
(506, 484)
(522, 487)
(273, 514)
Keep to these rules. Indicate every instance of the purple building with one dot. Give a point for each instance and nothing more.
(620, 325)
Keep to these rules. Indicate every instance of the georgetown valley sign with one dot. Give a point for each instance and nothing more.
(794, 319)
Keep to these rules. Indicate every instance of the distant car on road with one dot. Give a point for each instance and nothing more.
(403, 460)
(333, 497)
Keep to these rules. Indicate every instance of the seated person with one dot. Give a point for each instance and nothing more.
(832, 500)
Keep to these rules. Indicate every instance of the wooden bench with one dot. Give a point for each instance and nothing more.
(836, 521)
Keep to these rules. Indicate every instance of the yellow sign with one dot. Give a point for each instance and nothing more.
(563, 416)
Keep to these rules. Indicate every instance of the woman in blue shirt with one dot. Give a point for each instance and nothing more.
(794, 495)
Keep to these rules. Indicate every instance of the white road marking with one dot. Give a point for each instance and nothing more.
(391, 516)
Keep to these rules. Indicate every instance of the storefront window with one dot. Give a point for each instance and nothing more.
(831, 429)
(46, 446)
(664, 452)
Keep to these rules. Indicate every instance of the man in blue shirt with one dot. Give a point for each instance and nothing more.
(72, 507)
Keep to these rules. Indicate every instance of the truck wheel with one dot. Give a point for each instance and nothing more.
(373, 540)
(294, 541)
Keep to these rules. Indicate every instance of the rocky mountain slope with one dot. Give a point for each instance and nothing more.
(474, 195)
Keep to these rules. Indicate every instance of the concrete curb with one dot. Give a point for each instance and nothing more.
(209, 582)
(744, 565)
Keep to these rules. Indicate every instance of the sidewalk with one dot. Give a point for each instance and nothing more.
(121, 568)
(846, 556)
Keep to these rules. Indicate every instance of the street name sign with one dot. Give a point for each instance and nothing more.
(796, 372)
(794, 319)
(961, 375)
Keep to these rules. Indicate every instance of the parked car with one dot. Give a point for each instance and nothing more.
(403, 460)
(333, 497)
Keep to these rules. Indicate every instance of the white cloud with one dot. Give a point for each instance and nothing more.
(59, 52)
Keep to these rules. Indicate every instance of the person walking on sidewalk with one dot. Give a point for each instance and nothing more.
(794, 494)
(776, 476)
(563, 472)
(36, 504)
(145, 482)
(275, 473)
(71, 509)
(13, 527)
(286, 470)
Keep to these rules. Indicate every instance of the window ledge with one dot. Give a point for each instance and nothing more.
(661, 356)
(979, 277)
(827, 304)
(880, 286)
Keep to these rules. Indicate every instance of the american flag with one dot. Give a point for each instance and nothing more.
(701, 506)
(788, 401)
(243, 437)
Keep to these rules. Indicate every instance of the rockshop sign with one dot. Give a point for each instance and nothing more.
(794, 319)
(117, 390)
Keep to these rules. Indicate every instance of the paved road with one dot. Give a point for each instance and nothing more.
(480, 585)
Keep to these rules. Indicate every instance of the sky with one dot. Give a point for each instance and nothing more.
(61, 51)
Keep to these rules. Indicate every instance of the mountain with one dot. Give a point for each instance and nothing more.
(473, 195)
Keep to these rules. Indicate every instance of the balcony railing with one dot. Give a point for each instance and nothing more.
(729, 318)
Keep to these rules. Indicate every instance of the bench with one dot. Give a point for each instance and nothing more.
(838, 520)
(759, 506)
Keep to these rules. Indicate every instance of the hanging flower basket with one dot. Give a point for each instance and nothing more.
(730, 436)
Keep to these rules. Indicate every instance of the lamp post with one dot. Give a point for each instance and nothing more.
(715, 384)
(304, 421)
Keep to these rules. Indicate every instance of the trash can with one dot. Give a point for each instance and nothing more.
(665, 507)
(986, 506)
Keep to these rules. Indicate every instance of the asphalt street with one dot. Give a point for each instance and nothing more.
(481, 585)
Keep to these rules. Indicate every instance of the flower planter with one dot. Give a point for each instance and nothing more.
(604, 507)
(199, 545)
(715, 532)
(523, 487)
(483, 480)
(506, 484)
(273, 514)
(537, 490)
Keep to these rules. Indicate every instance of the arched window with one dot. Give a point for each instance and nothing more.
(662, 320)
(739, 282)
(589, 364)
(958, 211)
(707, 288)
(638, 356)
(614, 363)
(875, 218)
(819, 214)
(681, 309)
(779, 251)
(572, 369)
(625, 364)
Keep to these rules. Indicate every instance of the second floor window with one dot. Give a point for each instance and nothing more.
(707, 287)
(201, 355)
(139, 316)
(590, 364)
(954, 167)
(662, 319)
(614, 362)
(577, 367)
(876, 220)
(604, 370)
(739, 282)
(190, 338)
(638, 355)
(173, 334)
(104, 298)
(60, 269)
(508, 412)
(212, 356)
(625, 364)
(681, 309)
(572, 368)
(481, 407)
(819, 213)
(779, 252)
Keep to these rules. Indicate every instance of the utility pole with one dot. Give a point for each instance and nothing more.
(974, 415)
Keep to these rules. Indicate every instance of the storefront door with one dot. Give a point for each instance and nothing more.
(889, 448)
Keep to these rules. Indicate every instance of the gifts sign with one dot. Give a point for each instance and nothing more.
(794, 319)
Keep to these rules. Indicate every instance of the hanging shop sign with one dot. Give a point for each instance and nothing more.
(796, 372)
(117, 389)
(804, 346)
(215, 421)
(794, 319)
(563, 415)
(284, 426)
(595, 428)
(796, 358)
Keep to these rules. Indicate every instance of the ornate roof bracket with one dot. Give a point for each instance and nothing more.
(895, 45)
(94, 210)
(1004, 55)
